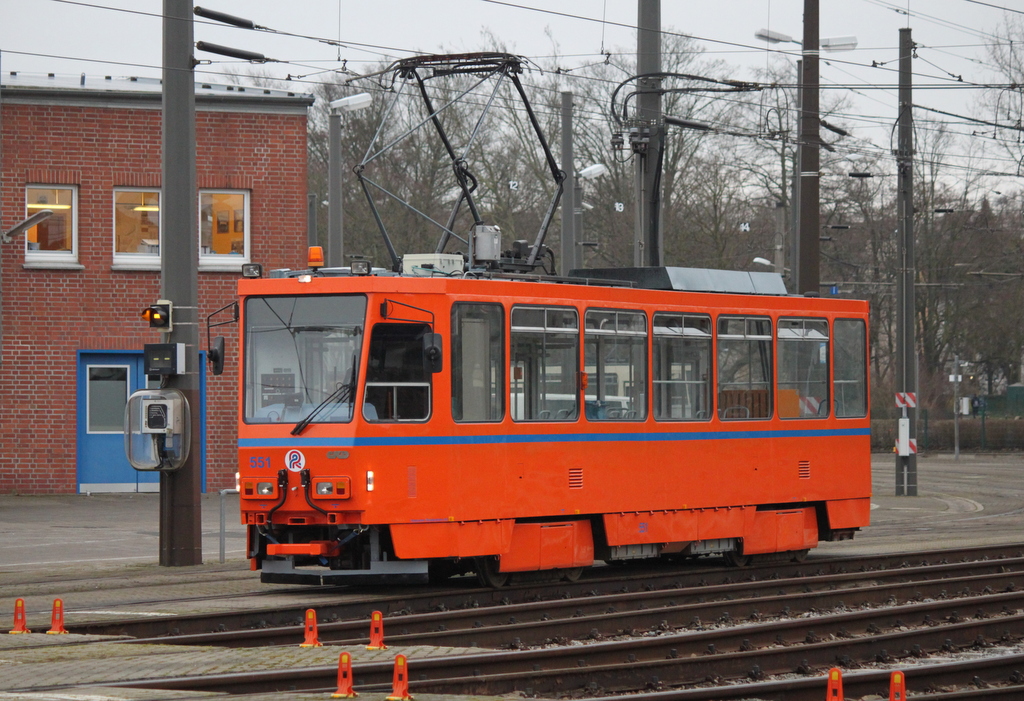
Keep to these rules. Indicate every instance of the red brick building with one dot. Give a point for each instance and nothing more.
(74, 285)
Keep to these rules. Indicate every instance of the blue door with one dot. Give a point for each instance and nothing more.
(105, 380)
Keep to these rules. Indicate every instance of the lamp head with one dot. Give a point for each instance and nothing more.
(352, 103)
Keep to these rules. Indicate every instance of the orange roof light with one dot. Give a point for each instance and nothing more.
(316, 257)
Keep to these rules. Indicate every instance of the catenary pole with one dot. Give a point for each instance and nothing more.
(180, 522)
(906, 354)
(647, 249)
(808, 264)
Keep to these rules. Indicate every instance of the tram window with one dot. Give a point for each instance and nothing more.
(682, 367)
(543, 378)
(478, 378)
(302, 357)
(615, 360)
(744, 368)
(851, 387)
(803, 368)
(397, 374)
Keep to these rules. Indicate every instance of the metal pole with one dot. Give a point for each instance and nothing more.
(311, 232)
(648, 244)
(569, 203)
(956, 407)
(906, 354)
(223, 519)
(780, 238)
(181, 536)
(335, 242)
(794, 200)
(808, 262)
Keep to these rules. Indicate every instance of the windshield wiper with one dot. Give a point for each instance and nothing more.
(343, 393)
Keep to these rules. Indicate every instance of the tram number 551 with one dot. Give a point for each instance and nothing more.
(259, 462)
(643, 527)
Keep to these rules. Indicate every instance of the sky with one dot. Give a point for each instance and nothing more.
(123, 38)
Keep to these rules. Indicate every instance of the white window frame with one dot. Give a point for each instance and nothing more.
(224, 262)
(124, 260)
(53, 259)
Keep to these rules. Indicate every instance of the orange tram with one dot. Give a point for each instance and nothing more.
(404, 427)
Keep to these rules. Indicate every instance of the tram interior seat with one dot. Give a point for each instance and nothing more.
(744, 404)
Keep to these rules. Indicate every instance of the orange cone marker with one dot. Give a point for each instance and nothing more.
(834, 692)
(344, 678)
(19, 618)
(57, 619)
(311, 639)
(400, 685)
(377, 632)
(897, 686)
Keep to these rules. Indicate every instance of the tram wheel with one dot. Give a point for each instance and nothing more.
(572, 575)
(734, 559)
(799, 555)
(487, 573)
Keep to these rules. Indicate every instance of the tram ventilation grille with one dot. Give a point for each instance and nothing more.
(575, 478)
(804, 469)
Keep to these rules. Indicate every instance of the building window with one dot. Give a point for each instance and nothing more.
(54, 240)
(545, 363)
(223, 229)
(803, 368)
(137, 228)
(615, 360)
(682, 367)
(478, 361)
(744, 368)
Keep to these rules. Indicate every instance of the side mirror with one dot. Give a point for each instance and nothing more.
(433, 352)
(215, 354)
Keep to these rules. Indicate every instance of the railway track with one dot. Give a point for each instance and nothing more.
(357, 604)
(626, 612)
(708, 633)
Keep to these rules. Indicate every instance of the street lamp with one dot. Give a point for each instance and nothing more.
(763, 261)
(589, 173)
(27, 224)
(806, 263)
(335, 238)
(848, 43)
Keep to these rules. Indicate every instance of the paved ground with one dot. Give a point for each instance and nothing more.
(978, 499)
(105, 530)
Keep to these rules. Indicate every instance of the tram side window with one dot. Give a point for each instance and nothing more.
(803, 368)
(744, 367)
(397, 375)
(545, 347)
(615, 360)
(478, 378)
(851, 386)
(682, 367)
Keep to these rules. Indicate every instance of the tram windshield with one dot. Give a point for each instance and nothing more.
(302, 357)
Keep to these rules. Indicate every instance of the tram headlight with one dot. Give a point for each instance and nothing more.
(324, 488)
(265, 489)
(369, 480)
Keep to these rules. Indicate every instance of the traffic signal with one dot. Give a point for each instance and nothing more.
(158, 315)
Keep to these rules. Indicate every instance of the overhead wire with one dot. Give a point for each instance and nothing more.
(859, 88)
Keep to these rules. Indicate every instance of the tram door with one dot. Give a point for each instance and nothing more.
(105, 380)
